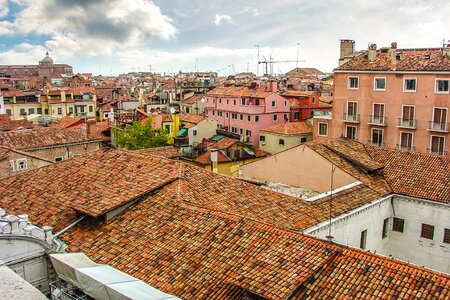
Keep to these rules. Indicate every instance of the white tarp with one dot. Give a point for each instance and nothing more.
(102, 281)
(66, 263)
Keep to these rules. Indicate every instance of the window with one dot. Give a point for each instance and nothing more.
(409, 84)
(273, 103)
(167, 128)
(275, 118)
(71, 110)
(262, 138)
(248, 133)
(31, 111)
(408, 115)
(406, 140)
(398, 224)
(46, 111)
(323, 129)
(303, 140)
(385, 228)
(377, 137)
(439, 122)
(220, 100)
(234, 116)
(256, 118)
(249, 118)
(281, 142)
(228, 101)
(285, 117)
(241, 117)
(219, 113)
(194, 132)
(57, 158)
(353, 83)
(427, 231)
(442, 86)
(11, 165)
(22, 111)
(378, 114)
(379, 84)
(313, 100)
(241, 131)
(233, 129)
(285, 103)
(363, 239)
(234, 102)
(59, 111)
(227, 115)
(8, 112)
(437, 144)
(446, 236)
(91, 108)
(213, 113)
(296, 115)
(39, 111)
(256, 101)
(350, 132)
(21, 164)
(351, 114)
(243, 101)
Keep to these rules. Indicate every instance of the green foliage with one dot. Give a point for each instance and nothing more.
(20, 86)
(140, 135)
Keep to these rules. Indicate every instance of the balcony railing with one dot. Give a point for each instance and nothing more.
(376, 143)
(407, 123)
(377, 120)
(439, 152)
(180, 141)
(352, 118)
(437, 126)
(403, 147)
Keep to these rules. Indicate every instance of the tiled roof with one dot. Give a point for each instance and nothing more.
(42, 137)
(415, 174)
(224, 143)
(293, 128)
(165, 151)
(195, 119)
(192, 99)
(67, 122)
(239, 91)
(410, 60)
(205, 158)
(7, 124)
(209, 236)
(292, 93)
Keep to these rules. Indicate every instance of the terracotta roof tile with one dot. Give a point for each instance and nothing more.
(294, 128)
(240, 91)
(68, 122)
(224, 143)
(205, 158)
(165, 151)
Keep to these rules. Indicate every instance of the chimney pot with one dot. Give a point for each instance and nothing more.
(372, 53)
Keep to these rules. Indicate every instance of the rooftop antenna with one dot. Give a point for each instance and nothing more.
(329, 236)
(298, 50)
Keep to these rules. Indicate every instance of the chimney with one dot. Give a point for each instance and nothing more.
(446, 51)
(214, 160)
(393, 53)
(372, 53)
(347, 47)
(91, 127)
(272, 86)
(25, 117)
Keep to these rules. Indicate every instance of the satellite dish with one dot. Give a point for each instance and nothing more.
(172, 110)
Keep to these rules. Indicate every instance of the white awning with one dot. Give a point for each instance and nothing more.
(103, 281)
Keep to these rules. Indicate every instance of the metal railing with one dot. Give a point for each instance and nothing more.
(376, 143)
(407, 123)
(437, 126)
(353, 118)
(377, 120)
(439, 152)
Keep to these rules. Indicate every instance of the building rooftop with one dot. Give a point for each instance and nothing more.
(240, 91)
(293, 128)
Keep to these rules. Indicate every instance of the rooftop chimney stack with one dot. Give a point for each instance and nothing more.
(347, 48)
(393, 53)
(446, 50)
(372, 53)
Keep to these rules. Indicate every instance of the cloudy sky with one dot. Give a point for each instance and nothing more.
(114, 36)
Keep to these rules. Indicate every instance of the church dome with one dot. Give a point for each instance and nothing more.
(47, 60)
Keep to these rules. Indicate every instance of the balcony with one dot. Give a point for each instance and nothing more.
(438, 152)
(377, 120)
(437, 126)
(407, 123)
(376, 143)
(403, 147)
(351, 118)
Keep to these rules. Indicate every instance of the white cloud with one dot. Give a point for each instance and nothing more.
(23, 53)
(254, 11)
(4, 8)
(80, 27)
(219, 18)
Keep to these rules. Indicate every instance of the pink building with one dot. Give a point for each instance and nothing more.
(244, 111)
(393, 98)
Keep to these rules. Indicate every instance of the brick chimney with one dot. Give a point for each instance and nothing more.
(372, 53)
(347, 48)
(446, 50)
(272, 86)
(91, 127)
(392, 52)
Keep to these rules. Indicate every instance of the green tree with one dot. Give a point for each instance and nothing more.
(20, 86)
(140, 135)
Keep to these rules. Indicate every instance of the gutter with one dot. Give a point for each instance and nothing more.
(64, 230)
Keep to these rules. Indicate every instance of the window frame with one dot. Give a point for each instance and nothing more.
(436, 86)
(58, 158)
(262, 138)
(363, 239)
(404, 85)
(431, 143)
(398, 224)
(349, 82)
(375, 86)
(281, 142)
(356, 132)
(274, 103)
(275, 118)
(425, 230)
(319, 127)
(446, 237)
(372, 130)
(18, 161)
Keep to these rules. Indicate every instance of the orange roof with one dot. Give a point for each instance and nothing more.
(293, 128)
(292, 93)
(68, 122)
(224, 143)
(239, 91)
(195, 119)
(408, 60)
(205, 158)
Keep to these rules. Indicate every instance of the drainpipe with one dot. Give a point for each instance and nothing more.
(64, 230)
